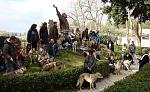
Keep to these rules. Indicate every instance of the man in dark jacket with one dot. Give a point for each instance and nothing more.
(110, 45)
(132, 49)
(44, 34)
(33, 36)
(54, 32)
(144, 59)
(89, 65)
(85, 34)
(50, 47)
(89, 62)
(9, 52)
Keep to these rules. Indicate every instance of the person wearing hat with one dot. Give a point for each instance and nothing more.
(44, 34)
(54, 32)
(144, 59)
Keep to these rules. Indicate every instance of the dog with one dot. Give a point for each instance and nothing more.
(118, 67)
(127, 64)
(17, 72)
(33, 55)
(53, 65)
(74, 46)
(91, 78)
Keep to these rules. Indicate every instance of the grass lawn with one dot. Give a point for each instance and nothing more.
(69, 58)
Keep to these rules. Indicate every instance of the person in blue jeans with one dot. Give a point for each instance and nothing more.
(9, 53)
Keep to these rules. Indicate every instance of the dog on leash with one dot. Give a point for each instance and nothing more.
(127, 64)
(74, 46)
(17, 72)
(53, 65)
(118, 67)
(91, 78)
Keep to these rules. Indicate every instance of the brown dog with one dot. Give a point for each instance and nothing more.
(118, 67)
(91, 78)
(53, 65)
(17, 72)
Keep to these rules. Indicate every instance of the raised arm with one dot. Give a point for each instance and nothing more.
(58, 13)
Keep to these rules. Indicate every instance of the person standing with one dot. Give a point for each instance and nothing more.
(85, 34)
(132, 49)
(78, 34)
(64, 25)
(89, 62)
(97, 38)
(44, 34)
(89, 65)
(32, 36)
(9, 53)
(54, 32)
(110, 45)
(124, 50)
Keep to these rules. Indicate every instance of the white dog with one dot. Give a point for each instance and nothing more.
(74, 46)
(127, 64)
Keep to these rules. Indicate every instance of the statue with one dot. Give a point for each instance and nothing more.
(64, 25)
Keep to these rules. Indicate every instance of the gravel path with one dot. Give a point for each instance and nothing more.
(105, 83)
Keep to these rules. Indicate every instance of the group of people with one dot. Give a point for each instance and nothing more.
(53, 41)
(128, 53)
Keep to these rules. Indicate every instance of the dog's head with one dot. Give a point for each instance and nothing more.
(118, 64)
(24, 69)
(60, 65)
(99, 75)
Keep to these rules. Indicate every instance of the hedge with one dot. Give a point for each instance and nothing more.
(139, 82)
(47, 81)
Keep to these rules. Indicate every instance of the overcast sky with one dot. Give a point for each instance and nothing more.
(19, 15)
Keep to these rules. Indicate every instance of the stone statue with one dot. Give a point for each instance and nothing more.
(64, 25)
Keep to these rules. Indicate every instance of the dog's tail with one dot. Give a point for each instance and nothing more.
(78, 82)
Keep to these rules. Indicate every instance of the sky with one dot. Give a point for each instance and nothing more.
(19, 15)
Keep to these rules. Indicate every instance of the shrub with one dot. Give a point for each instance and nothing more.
(104, 39)
(139, 82)
(47, 81)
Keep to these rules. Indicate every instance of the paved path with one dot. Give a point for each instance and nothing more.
(105, 83)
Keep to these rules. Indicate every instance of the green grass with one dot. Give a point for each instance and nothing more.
(69, 59)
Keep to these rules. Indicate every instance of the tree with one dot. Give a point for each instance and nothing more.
(87, 11)
(123, 10)
(118, 10)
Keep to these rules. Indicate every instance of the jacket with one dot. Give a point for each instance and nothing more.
(9, 52)
(54, 32)
(89, 62)
(44, 35)
(144, 59)
(32, 36)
